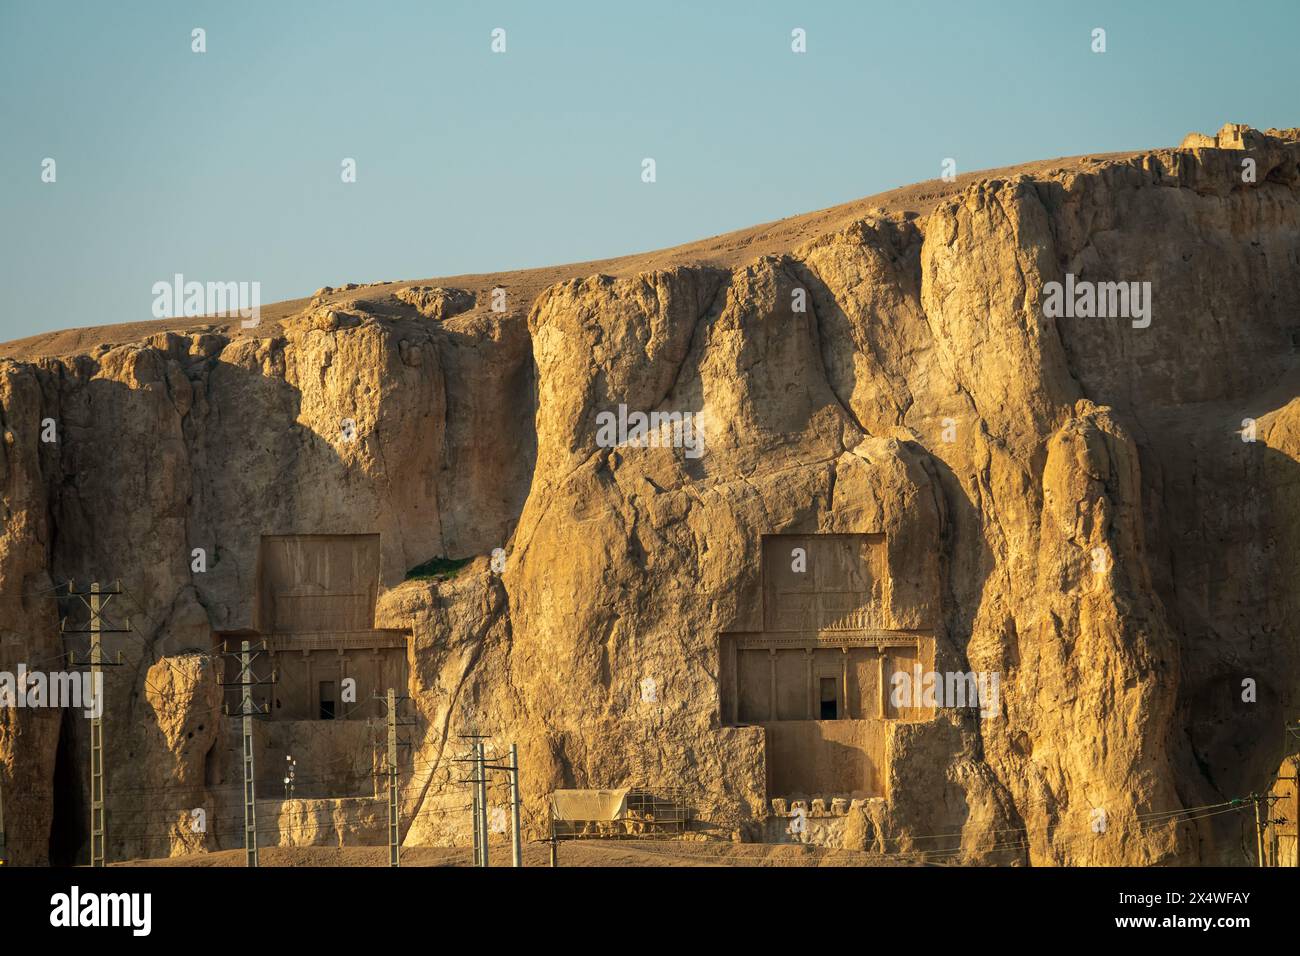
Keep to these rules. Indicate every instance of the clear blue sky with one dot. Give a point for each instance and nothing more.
(225, 165)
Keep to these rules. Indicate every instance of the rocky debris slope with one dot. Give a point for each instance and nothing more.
(1067, 501)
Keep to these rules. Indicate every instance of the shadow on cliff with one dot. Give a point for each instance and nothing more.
(1222, 529)
(966, 563)
(1239, 660)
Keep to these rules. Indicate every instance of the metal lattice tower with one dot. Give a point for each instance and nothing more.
(473, 781)
(394, 851)
(480, 802)
(247, 711)
(394, 776)
(477, 780)
(516, 843)
(250, 794)
(99, 598)
(97, 823)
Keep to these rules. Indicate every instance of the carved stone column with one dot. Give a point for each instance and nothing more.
(313, 706)
(771, 661)
(880, 681)
(810, 684)
(844, 658)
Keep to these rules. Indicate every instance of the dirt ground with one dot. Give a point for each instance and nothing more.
(619, 853)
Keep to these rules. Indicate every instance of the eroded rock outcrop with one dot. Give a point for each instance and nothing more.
(1066, 502)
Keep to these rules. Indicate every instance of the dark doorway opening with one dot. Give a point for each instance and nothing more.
(829, 699)
(327, 700)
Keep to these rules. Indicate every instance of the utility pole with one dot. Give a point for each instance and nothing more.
(394, 852)
(1295, 782)
(1259, 830)
(96, 630)
(97, 824)
(1274, 828)
(478, 791)
(250, 790)
(247, 711)
(478, 850)
(394, 804)
(480, 773)
(479, 810)
(517, 851)
(473, 782)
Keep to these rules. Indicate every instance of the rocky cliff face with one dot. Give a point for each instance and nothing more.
(1066, 501)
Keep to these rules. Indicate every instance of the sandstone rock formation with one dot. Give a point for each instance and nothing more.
(1067, 502)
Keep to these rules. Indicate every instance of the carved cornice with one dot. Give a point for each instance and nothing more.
(826, 639)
